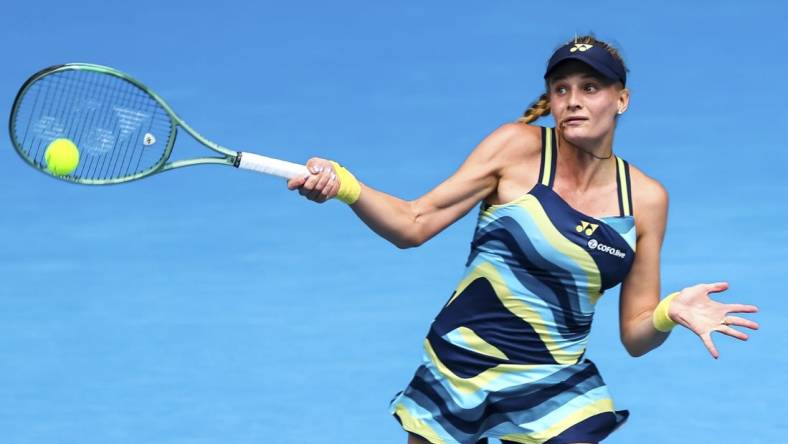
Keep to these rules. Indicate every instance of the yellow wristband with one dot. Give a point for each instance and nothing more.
(349, 188)
(661, 320)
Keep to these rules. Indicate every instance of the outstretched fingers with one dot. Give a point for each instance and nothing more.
(706, 337)
(741, 308)
(724, 329)
(717, 287)
(735, 320)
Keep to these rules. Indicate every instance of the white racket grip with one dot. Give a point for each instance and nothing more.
(268, 165)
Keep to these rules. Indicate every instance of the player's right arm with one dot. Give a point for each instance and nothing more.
(411, 223)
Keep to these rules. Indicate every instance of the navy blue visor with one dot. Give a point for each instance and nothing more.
(594, 56)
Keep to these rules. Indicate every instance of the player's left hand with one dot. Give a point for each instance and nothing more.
(694, 309)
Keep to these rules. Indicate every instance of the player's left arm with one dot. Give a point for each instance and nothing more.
(640, 292)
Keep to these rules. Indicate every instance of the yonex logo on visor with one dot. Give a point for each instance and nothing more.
(581, 47)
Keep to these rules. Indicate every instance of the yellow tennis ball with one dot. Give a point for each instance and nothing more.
(62, 157)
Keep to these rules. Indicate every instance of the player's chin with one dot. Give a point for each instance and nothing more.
(578, 129)
(580, 134)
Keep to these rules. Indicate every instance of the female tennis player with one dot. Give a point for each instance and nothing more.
(561, 220)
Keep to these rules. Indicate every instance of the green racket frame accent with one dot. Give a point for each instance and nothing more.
(230, 157)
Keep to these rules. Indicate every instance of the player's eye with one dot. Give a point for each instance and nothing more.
(590, 87)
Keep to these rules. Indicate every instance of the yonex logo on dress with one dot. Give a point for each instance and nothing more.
(586, 227)
(582, 47)
(594, 245)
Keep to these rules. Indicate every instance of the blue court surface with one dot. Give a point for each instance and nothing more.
(210, 305)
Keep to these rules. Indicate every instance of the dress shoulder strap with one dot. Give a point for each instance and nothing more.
(624, 187)
(549, 155)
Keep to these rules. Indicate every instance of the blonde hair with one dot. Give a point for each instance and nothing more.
(541, 107)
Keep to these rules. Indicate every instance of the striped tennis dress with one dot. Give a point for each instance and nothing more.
(504, 358)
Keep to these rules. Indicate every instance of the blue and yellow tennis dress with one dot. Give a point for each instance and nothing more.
(505, 356)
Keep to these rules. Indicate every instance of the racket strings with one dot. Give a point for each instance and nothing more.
(120, 130)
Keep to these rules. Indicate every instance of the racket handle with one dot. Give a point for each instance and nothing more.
(268, 165)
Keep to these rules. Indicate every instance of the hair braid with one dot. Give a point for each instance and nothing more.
(541, 107)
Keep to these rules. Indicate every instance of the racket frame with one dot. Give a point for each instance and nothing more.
(229, 157)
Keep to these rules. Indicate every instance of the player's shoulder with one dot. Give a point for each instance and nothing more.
(516, 139)
(507, 145)
(649, 196)
(522, 132)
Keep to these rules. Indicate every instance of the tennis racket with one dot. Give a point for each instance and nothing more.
(123, 130)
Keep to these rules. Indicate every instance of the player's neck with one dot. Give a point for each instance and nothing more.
(587, 166)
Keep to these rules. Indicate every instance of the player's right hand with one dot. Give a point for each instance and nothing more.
(320, 185)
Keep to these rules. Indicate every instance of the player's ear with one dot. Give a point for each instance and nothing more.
(623, 100)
